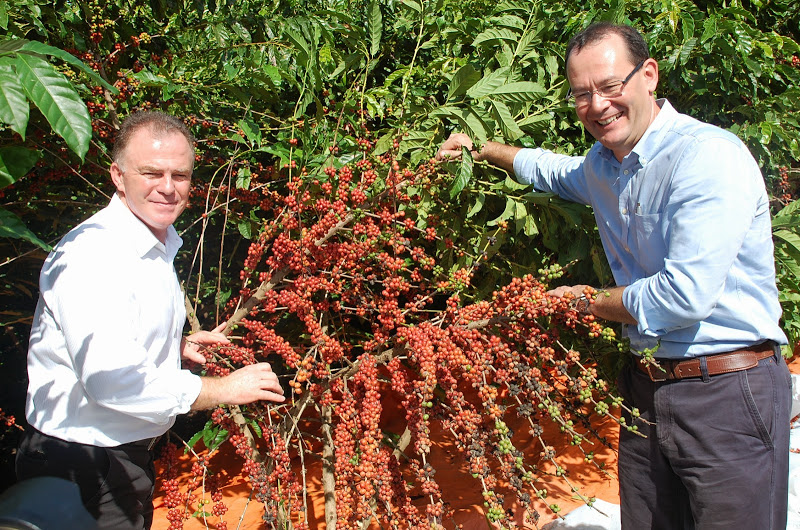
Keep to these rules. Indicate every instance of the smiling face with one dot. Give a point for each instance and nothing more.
(618, 122)
(153, 178)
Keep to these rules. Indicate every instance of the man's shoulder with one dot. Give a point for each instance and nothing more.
(692, 128)
(95, 240)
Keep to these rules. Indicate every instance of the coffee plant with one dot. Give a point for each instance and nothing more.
(370, 276)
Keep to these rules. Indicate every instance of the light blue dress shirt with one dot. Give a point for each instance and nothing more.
(684, 221)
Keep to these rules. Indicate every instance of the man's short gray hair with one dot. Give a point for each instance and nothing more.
(159, 123)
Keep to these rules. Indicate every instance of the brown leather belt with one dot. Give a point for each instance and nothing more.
(720, 363)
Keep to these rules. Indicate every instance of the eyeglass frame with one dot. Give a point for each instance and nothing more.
(572, 98)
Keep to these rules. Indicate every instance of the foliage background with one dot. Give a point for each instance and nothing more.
(269, 84)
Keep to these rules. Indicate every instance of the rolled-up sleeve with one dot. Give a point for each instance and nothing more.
(553, 173)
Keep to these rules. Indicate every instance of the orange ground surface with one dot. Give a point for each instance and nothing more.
(458, 487)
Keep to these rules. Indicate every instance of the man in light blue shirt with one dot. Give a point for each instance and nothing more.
(683, 215)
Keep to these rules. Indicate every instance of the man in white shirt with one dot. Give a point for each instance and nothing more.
(104, 361)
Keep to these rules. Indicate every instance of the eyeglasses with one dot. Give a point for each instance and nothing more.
(609, 90)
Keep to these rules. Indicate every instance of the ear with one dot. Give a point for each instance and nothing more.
(650, 72)
(117, 177)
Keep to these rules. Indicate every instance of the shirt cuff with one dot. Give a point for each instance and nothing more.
(632, 300)
(189, 386)
(524, 161)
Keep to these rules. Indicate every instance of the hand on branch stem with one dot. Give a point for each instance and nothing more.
(497, 154)
(251, 383)
(191, 346)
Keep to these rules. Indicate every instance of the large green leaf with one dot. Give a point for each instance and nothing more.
(58, 101)
(12, 226)
(15, 162)
(473, 125)
(464, 173)
(44, 49)
(520, 91)
(479, 202)
(14, 106)
(489, 83)
(9, 46)
(374, 27)
(510, 210)
(506, 121)
(465, 78)
(496, 34)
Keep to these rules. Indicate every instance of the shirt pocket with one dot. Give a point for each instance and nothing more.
(650, 247)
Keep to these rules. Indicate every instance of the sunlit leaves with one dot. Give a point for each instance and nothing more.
(13, 102)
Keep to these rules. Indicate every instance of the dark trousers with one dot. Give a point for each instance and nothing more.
(116, 483)
(716, 455)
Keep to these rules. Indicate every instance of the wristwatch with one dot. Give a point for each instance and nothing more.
(581, 304)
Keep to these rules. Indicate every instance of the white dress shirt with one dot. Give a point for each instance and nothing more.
(104, 363)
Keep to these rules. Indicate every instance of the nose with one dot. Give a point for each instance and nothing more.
(166, 185)
(597, 101)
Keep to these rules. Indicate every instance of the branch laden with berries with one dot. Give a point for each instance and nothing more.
(344, 293)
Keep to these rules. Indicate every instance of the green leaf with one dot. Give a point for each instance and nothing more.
(383, 143)
(512, 185)
(374, 27)
(148, 78)
(687, 49)
(14, 107)
(44, 49)
(709, 28)
(300, 43)
(416, 6)
(473, 125)
(489, 83)
(196, 438)
(245, 228)
(530, 229)
(511, 208)
(520, 91)
(520, 216)
(217, 438)
(506, 121)
(464, 173)
(15, 162)
(786, 212)
(252, 131)
(478, 206)
(496, 34)
(243, 178)
(274, 74)
(12, 226)
(58, 101)
(255, 426)
(11, 46)
(465, 78)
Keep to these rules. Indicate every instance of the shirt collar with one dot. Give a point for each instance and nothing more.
(141, 238)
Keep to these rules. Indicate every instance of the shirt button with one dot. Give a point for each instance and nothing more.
(626, 171)
(624, 211)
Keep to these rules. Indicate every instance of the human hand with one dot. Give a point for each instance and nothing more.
(251, 383)
(576, 290)
(191, 346)
(451, 148)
